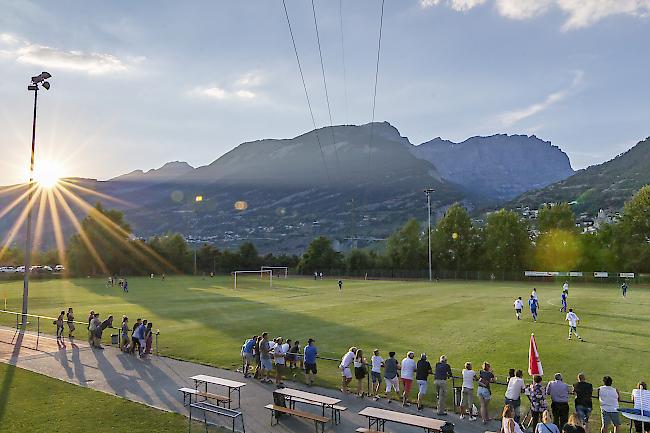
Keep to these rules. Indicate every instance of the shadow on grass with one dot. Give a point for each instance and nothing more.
(9, 376)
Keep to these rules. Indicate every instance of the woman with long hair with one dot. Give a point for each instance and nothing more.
(546, 426)
(148, 337)
(485, 378)
(508, 423)
(360, 371)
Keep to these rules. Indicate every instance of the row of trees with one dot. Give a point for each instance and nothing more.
(505, 244)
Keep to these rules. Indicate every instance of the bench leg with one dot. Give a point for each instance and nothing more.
(243, 429)
(189, 427)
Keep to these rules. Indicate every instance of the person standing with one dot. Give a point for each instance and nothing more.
(91, 316)
(565, 287)
(135, 342)
(533, 304)
(486, 377)
(70, 320)
(559, 393)
(574, 425)
(247, 350)
(125, 286)
(624, 288)
(469, 376)
(583, 391)
(564, 298)
(534, 293)
(641, 399)
(546, 426)
(125, 334)
(340, 285)
(573, 320)
(265, 359)
(311, 352)
(519, 305)
(346, 373)
(423, 370)
(609, 397)
(148, 340)
(513, 394)
(408, 374)
(537, 394)
(59, 326)
(377, 362)
(360, 371)
(509, 424)
(390, 374)
(442, 373)
(278, 359)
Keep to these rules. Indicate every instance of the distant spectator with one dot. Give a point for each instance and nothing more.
(135, 342)
(138, 339)
(311, 352)
(537, 394)
(70, 320)
(148, 339)
(442, 373)
(346, 372)
(265, 359)
(360, 371)
(91, 316)
(559, 393)
(59, 325)
(423, 370)
(125, 334)
(377, 362)
(485, 378)
(248, 354)
(95, 324)
(508, 422)
(513, 394)
(466, 399)
(574, 425)
(546, 426)
(390, 374)
(583, 391)
(408, 374)
(641, 399)
(609, 397)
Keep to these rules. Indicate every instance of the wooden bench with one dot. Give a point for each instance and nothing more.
(206, 395)
(218, 410)
(317, 419)
(336, 409)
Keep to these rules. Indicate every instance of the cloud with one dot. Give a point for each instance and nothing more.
(511, 117)
(580, 13)
(242, 89)
(33, 54)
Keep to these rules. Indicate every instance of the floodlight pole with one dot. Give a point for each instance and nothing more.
(428, 192)
(28, 236)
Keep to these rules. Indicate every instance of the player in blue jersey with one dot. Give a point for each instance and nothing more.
(565, 294)
(533, 304)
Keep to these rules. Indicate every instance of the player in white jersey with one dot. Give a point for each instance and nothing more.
(534, 294)
(573, 320)
(565, 287)
(519, 305)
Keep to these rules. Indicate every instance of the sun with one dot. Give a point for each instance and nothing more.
(47, 173)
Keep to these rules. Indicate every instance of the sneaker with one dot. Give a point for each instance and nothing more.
(376, 398)
(462, 417)
(389, 400)
(473, 418)
(406, 404)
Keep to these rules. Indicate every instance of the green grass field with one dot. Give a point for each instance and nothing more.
(30, 402)
(205, 320)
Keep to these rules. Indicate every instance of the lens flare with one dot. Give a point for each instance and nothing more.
(47, 173)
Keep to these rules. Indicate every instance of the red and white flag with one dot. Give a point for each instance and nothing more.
(534, 363)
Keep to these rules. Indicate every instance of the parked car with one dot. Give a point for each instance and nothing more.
(7, 269)
(59, 268)
(47, 268)
(20, 269)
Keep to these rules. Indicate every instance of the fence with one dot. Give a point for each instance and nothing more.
(48, 322)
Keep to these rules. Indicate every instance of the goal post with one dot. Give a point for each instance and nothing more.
(261, 272)
(279, 268)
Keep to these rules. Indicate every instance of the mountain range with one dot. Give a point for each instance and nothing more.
(355, 182)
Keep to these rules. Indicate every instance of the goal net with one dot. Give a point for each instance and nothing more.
(253, 278)
(277, 271)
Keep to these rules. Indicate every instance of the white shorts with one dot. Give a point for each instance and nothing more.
(422, 386)
(346, 373)
(392, 384)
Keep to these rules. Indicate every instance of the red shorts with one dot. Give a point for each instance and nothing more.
(406, 384)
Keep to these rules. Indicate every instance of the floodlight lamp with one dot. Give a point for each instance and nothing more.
(41, 77)
(46, 75)
(46, 85)
(32, 87)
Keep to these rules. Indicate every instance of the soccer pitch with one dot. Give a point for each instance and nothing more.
(203, 319)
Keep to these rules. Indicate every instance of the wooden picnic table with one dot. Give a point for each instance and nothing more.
(324, 401)
(377, 418)
(230, 384)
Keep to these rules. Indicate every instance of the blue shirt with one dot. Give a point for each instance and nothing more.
(248, 346)
(563, 297)
(310, 354)
(533, 304)
(139, 332)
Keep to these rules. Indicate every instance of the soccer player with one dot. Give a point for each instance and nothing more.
(532, 303)
(519, 305)
(573, 320)
(565, 287)
(565, 293)
(340, 285)
(534, 293)
(624, 289)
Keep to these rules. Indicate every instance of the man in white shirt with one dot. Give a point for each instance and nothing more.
(565, 287)
(519, 305)
(573, 320)
(278, 357)
(513, 393)
(346, 372)
(608, 398)
(375, 372)
(408, 374)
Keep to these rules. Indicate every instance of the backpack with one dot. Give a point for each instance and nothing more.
(447, 427)
(279, 400)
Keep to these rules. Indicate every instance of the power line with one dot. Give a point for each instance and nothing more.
(374, 95)
(345, 84)
(327, 97)
(304, 85)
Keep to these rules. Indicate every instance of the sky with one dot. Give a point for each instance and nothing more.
(138, 84)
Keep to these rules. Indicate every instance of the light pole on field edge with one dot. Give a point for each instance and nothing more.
(428, 192)
(37, 81)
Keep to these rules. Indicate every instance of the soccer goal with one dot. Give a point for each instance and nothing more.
(262, 274)
(277, 270)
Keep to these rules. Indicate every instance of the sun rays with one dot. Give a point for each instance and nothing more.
(54, 203)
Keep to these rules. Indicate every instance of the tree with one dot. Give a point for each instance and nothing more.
(558, 250)
(248, 257)
(454, 240)
(359, 260)
(632, 236)
(173, 249)
(320, 256)
(506, 242)
(558, 217)
(405, 249)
